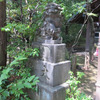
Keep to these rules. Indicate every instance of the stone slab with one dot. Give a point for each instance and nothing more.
(51, 73)
(56, 73)
(46, 92)
(54, 52)
(53, 41)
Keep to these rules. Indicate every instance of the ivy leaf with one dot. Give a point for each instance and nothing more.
(27, 85)
(37, 54)
(31, 78)
(20, 85)
(13, 63)
(7, 70)
(3, 76)
(21, 58)
(36, 78)
(35, 82)
(16, 61)
(5, 93)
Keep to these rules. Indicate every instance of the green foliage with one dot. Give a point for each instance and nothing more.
(4, 74)
(1, 0)
(73, 30)
(73, 92)
(78, 7)
(23, 56)
(21, 29)
(72, 7)
(32, 11)
(16, 77)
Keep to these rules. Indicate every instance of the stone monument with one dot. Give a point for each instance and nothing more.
(51, 67)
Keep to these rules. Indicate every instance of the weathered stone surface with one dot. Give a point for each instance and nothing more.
(51, 52)
(53, 41)
(51, 73)
(46, 92)
(54, 52)
(52, 22)
(56, 73)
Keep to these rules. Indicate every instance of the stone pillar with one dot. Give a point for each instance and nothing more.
(98, 73)
(51, 67)
(52, 71)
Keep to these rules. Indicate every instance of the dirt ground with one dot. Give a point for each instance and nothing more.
(89, 80)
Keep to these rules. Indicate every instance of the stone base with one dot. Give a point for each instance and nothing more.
(52, 70)
(46, 92)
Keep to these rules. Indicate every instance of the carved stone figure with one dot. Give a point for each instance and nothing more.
(52, 22)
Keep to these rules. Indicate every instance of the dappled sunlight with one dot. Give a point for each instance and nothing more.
(89, 80)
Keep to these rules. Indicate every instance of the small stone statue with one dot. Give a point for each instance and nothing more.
(52, 22)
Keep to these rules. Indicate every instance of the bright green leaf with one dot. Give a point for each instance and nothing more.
(27, 85)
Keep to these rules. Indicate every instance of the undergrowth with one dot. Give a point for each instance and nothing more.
(73, 92)
(15, 78)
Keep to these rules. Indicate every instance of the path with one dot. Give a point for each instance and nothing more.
(89, 80)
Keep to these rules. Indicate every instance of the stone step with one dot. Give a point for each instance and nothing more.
(46, 92)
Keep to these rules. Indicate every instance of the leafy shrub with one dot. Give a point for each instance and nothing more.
(16, 77)
(73, 92)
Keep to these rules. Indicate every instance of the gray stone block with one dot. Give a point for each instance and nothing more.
(51, 73)
(54, 52)
(53, 41)
(55, 73)
(36, 66)
(46, 92)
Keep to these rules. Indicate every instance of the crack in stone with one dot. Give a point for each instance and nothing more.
(44, 70)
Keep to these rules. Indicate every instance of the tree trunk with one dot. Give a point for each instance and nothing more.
(91, 50)
(74, 62)
(87, 48)
(88, 35)
(3, 40)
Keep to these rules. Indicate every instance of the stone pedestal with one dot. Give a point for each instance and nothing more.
(47, 92)
(52, 70)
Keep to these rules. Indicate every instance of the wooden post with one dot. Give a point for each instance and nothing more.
(74, 61)
(87, 48)
(88, 34)
(98, 73)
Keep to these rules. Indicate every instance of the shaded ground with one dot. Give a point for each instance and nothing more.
(89, 80)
